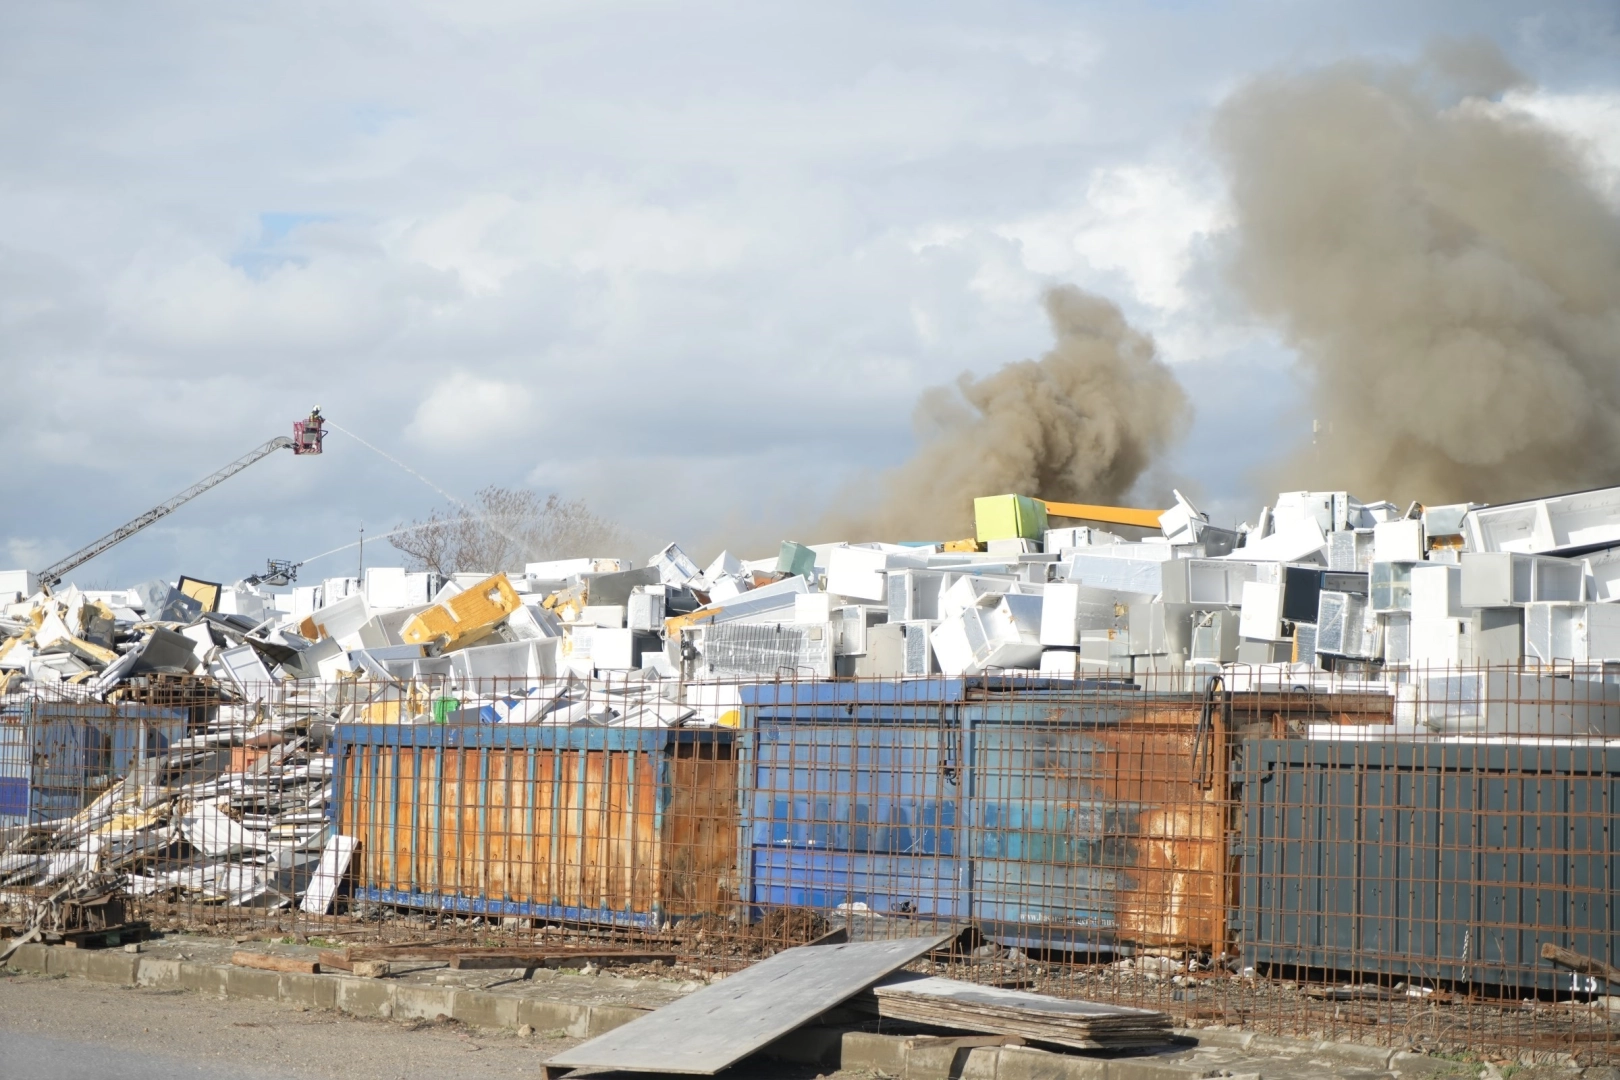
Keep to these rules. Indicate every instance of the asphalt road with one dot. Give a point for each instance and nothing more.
(48, 1058)
(69, 1029)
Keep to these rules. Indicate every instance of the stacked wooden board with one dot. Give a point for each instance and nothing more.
(961, 1006)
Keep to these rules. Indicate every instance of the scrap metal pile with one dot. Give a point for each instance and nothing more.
(1323, 588)
(235, 814)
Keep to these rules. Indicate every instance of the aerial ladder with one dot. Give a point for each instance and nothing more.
(306, 439)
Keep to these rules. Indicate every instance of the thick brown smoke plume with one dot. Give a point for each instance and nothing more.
(1447, 271)
(1081, 424)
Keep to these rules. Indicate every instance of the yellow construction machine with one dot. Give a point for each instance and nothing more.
(1108, 515)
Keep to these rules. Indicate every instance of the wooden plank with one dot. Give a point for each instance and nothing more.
(964, 1006)
(723, 1023)
(267, 962)
(1585, 965)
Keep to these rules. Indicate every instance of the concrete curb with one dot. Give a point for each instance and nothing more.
(901, 1056)
(372, 998)
(910, 1058)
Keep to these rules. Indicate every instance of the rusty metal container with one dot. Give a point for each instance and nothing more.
(1097, 818)
(603, 825)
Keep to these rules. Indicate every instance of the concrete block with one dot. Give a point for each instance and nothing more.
(980, 1063)
(109, 967)
(604, 1018)
(484, 1009)
(1147, 1068)
(365, 997)
(1280, 1044)
(310, 991)
(206, 979)
(414, 1002)
(1362, 1056)
(31, 958)
(925, 1060)
(874, 1053)
(60, 961)
(930, 1062)
(1026, 1063)
(158, 974)
(809, 1046)
(1231, 1039)
(112, 967)
(1415, 1066)
(552, 1015)
(251, 983)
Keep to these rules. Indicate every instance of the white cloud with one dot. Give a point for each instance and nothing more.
(1142, 221)
(725, 244)
(464, 413)
(491, 236)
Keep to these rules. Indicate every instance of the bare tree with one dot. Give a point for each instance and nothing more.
(503, 529)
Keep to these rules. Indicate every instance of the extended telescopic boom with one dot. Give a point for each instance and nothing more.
(306, 439)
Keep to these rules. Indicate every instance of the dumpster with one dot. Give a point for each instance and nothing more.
(56, 757)
(855, 801)
(1440, 859)
(622, 826)
(1096, 817)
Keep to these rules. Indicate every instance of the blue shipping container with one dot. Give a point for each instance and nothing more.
(856, 797)
(56, 757)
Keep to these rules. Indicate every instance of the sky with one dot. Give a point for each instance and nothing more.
(692, 263)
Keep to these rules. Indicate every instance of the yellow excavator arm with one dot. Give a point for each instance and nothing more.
(1111, 515)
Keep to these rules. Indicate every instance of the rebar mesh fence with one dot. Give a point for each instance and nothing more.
(1431, 862)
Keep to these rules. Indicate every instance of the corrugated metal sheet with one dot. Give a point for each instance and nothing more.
(622, 826)
(1450, 861)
